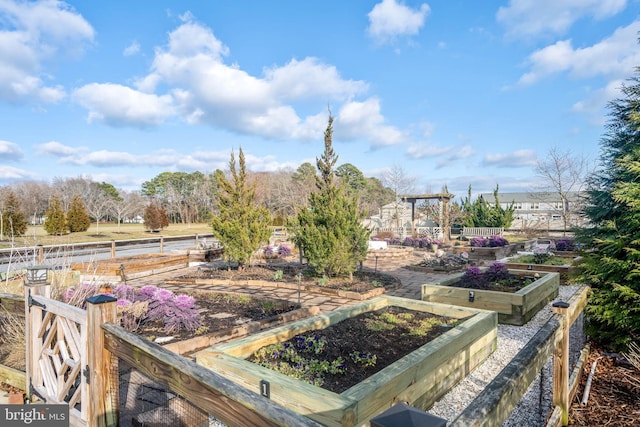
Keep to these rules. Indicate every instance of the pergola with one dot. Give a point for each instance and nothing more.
(443, 214)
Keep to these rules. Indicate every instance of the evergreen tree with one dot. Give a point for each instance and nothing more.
(330, 232)
(611, 261)
(56, 221)
(77, 217)
(155, 218)
(13, 220)
(481, 213)
(241, 225)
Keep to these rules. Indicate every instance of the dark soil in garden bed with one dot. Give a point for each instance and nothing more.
(385, 335)
(221, 312)
(291, 272)
(511, 284)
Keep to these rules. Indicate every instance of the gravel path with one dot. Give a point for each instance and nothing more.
(536, 404)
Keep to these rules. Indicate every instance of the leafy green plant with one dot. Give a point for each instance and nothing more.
(364, 359)
(277, 276)
(323, 281)
(296, 359)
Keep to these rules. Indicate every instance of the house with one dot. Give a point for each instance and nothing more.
(542, 211)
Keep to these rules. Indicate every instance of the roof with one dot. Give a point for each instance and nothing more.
(530, 197)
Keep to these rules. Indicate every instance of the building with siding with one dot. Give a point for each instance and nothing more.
(542, 211)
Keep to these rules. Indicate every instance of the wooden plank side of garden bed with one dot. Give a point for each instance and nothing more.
(323, 406)
(410, 378)
(439, 309)
(483, 299)
(13, 377)
(539, 294)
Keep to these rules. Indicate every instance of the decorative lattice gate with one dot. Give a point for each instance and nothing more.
(56, 337)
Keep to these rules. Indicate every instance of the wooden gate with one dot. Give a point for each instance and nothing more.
(56, 362)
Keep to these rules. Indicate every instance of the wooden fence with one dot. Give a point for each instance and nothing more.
(494, 404)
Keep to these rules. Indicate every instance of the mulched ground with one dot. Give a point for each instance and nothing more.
(388, 346)
(614, 398)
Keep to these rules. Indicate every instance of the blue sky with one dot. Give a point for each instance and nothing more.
(453, 92)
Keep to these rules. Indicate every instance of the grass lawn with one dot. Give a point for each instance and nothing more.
(104, 232)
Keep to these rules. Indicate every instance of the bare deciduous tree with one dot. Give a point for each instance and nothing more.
(400, 183)
(563, 173)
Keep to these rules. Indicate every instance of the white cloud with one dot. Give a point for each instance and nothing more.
(364, 120)
(310, 78)
(390, 19)
(599, 98)
(615, 56)
(54, 148)
(531, 18)
(421, 151)
(167, 159)
(38, 31)
(119, 105)
(9, 174)
(203, 89)
(10, 151)
(518, 158)
(132, 49)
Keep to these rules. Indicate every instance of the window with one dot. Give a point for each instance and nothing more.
(535, 205)
(557, 205)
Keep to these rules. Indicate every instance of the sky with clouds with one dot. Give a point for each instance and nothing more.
(454, 92)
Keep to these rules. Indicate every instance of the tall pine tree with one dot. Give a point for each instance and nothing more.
(56, 220)
(77, 217)
(329, 231)
(12, 221)
(241, 225)
(611, 263)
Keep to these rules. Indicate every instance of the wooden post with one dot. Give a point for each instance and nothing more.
(161, 244)
(197, 242)
(40, 254)
(33, 316)
(113, 249)
(102, 407)
(561, 363)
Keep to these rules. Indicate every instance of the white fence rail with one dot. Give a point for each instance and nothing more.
(482, 231)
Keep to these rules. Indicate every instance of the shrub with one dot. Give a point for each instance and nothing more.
(473, 277)
(497, 241)
(284, 251)
(497, 272)
(565, 244)
(479, 242)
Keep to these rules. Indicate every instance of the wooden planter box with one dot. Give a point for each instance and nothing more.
(487, 254)
(419, 378)
(565, 271)
(134, 267)
(515, 308)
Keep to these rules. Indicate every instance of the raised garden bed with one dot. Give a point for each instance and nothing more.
(111, 270)
(565, 271)
(420, 377)
(365, 285)
(486, 253)
(514, 308)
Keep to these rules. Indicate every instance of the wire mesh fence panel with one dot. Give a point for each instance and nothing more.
(537, 403)
(144, 402)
